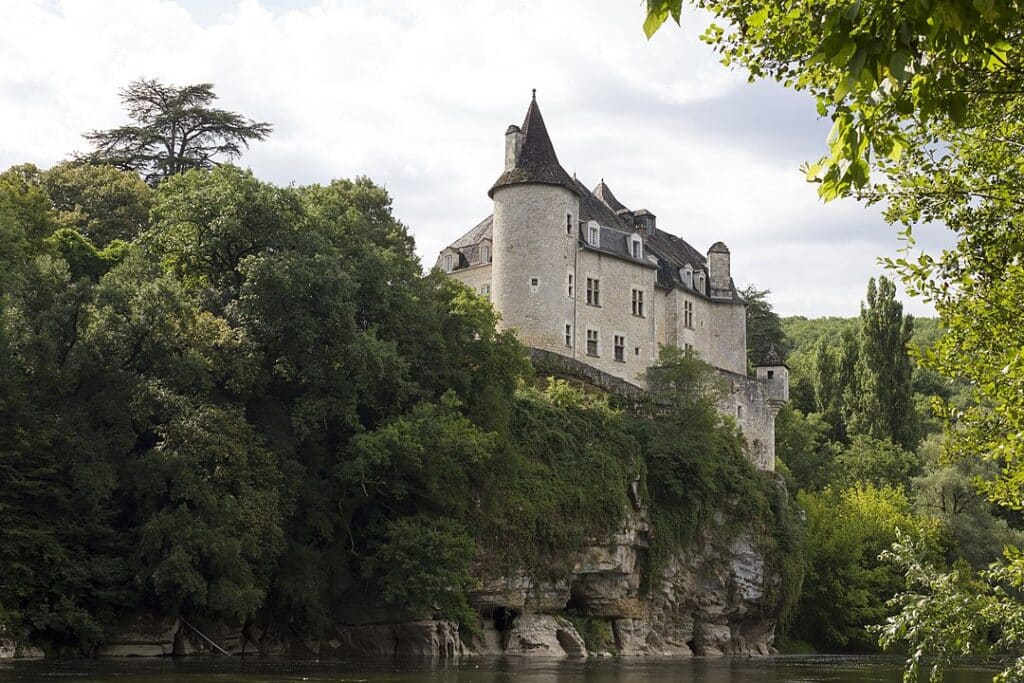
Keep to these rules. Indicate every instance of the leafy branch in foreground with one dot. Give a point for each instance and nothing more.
(946, 616)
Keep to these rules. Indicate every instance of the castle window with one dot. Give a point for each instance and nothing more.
(568, 224)
(771, 374)
(593, 291)
(739, 412)
(638, 249)
(638, 302)
(485, 254)
(485, 291)
(688, 314)
(636, 351)
(570, 285)
(568, 335)
(449, 260)
(688, 346)
(594, 235)
(620, 348)
(592, 343)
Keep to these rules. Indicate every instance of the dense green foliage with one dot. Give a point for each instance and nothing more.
(928, 97)
(764, 327)
(857, 490)
(232, 401)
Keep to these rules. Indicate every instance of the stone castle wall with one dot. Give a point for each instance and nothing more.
(532, 245)
(614, 316)
(745, 399)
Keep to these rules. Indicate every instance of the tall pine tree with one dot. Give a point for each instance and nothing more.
(882, 406)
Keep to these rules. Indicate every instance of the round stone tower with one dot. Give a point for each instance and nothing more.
(535, 236)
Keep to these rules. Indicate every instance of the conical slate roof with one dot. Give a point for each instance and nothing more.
(537, 162)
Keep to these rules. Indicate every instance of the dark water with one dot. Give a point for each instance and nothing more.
(478, 670)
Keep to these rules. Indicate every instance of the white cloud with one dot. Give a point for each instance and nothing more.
(418, 95)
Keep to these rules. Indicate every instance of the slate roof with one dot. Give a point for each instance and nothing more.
(482, 231)
(604, 193)
(537, 162)
(593, 209)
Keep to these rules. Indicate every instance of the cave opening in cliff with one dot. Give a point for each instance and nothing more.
(505, 617)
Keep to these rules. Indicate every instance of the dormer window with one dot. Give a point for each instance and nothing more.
(485, 253)
(700, 282)
(637, 248)
(594, 235)
(449, 263)
(686, 274)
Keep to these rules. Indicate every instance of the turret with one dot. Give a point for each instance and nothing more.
(719, 271)
(775, 372)
(535, 233)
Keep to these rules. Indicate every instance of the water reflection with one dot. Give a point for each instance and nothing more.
(479, 670)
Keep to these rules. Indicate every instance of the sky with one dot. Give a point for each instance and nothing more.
(417, 96)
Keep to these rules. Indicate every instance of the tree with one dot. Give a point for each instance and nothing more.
(846, 586)
(99, 202)
(878, 462)
(929, 96)
(890, 80)
(882, 406)
(764, 327)
(175, 129)
(802, 444)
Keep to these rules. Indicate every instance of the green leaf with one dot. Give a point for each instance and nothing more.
(758, 18)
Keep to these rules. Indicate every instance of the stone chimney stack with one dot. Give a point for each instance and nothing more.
(719, 271)
(513, 143)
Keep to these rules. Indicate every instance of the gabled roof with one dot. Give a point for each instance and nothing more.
(604, 193)
(593, 209)
(536, 162)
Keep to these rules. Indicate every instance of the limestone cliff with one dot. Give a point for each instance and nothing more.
(709, 598)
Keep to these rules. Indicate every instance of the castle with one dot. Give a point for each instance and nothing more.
(578, 274)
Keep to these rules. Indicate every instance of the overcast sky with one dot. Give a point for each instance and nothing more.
(417, 96)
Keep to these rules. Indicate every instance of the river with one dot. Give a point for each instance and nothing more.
(783, 669)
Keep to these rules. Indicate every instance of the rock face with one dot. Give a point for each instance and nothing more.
(544, 635)
(145, 636)
(707, 600)
(426, 638)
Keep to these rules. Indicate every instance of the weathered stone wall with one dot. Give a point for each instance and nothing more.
(475, 277)
(745, 399)
(614, 315)
(727, 343)
(531, 243)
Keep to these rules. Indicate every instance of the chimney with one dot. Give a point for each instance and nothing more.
(513, 143)
(719, 271)
(645, 220)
